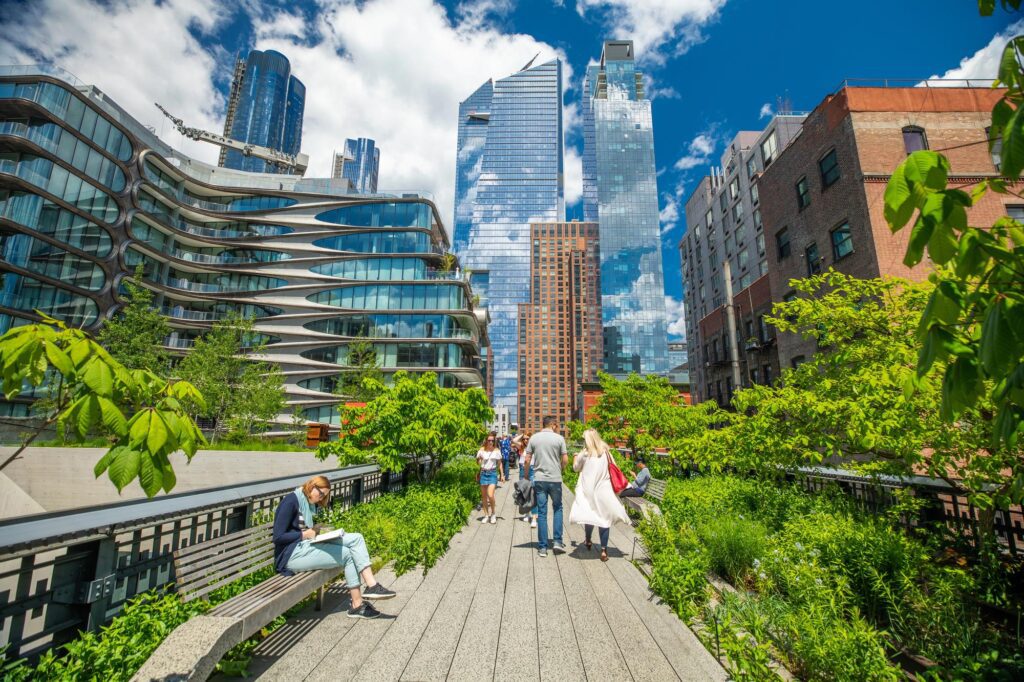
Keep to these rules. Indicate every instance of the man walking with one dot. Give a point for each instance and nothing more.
(505, 445)
(547, 454)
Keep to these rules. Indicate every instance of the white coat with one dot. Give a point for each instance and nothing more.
(596, 503)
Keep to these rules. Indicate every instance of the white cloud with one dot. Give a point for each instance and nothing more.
(670, 212)
(659, 29)
(573, 176)
(655, 91)
(362, 77)
(701, 147)
(157, 57)
(675, 314)
(766, 111)
(983, 64)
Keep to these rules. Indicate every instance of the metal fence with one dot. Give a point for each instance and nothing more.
(69, 571)
(940, 505)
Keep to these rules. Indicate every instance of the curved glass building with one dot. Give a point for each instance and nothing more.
(87, 194)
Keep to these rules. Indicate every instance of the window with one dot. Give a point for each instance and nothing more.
(995, 148)
(760, 244)
(709, 221)
(797, 361)
(914, 139)
(1016, 212)
(742, 259)
(728, 244)
(734, 189)
(762, 327)
(762, 267)
(768, 149)
(782, 243)
(767, 374)
(723, 201)
(754, 195)
(737, 212)
(757, 219)
(803, 194)
(842, 242)
(813, 259)
(829, 167)
(751, 167)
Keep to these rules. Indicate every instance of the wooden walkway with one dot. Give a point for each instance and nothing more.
(491, 609)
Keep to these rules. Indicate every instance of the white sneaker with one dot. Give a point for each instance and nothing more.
(484, 519)
(533, 523)
(494, 519)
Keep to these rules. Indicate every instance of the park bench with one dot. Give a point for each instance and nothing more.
(649, 503)
(192, 650)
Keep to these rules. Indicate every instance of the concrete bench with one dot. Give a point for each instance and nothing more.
(649, 503)
(192, 650)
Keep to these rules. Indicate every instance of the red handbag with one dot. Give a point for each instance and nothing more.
(619, 482)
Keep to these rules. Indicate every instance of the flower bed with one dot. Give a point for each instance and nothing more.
(411, 528)
(832, 593)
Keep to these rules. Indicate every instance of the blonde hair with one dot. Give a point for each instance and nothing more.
(595, 446)
(318, 482)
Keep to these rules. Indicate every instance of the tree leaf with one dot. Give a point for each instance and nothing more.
(150, 475)
(919, 237)
(926, 168)
(59, 359)
(158, 434)
(996, 351)
(899, 201)
(99, 377)
(124, 466)
(1012, 160)
(112, 416)
(139, 427)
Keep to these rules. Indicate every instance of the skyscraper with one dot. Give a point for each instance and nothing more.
(265, 108)
(560, 328)
(620, 192)
(509, 174)
(358, 163)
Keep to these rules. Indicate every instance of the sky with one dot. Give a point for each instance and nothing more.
(396, 70)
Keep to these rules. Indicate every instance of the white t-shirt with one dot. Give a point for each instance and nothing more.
(488, 460)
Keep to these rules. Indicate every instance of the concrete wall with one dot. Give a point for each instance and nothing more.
(56, 479)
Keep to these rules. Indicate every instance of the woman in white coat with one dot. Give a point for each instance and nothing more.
(596, 503)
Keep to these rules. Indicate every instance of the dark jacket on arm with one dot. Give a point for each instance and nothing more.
(287, 532)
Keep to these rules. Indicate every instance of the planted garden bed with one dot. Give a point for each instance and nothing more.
(830, 592)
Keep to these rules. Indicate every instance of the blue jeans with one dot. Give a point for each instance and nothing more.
(545, 490)
(349, 551)
(504, 465)
(601, 533)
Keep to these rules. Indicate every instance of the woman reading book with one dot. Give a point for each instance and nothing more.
(296, 547)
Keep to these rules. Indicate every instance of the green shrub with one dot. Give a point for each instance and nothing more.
(732, 544)
(678, 566)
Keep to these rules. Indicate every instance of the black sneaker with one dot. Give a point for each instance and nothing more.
(365, 610)
(378, 591)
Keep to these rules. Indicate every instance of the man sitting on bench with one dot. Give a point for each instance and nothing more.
(639, 483)
(296, 548)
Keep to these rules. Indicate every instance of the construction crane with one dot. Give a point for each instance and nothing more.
(296, 162)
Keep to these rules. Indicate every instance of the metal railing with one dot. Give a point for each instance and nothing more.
(69, 571)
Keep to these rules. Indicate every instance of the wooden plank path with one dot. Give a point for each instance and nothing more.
(491, 609)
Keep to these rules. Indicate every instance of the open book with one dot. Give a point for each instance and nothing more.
(329, 535)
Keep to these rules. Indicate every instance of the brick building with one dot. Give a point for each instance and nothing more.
(560, 335)
(823, 196)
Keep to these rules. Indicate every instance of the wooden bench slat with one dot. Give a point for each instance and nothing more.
(227, 580)
(189, 573)
(210, 543)
(227, 545)
(254, 597)
(216, 574)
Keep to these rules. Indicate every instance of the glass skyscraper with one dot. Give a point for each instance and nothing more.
(358, 163)
(509, 174)
(620, 192)
(268, 111)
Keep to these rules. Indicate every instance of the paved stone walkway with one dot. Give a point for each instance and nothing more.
(491, 609)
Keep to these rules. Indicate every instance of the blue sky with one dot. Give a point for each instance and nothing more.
(395, 70)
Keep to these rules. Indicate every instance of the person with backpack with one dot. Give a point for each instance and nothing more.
(596, 503)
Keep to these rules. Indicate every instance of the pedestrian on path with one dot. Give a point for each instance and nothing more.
(595, 503)
(295, 550)
(638, 485)
(505, 445)
(489, 459)
(546, 456)
(519, 446)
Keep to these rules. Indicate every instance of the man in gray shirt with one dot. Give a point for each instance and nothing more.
(640, 480)
(547, 454)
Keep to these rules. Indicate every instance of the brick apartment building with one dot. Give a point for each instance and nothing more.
(826, 188)
(818, 195)
(560, 334)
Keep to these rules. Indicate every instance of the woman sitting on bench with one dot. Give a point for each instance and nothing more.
(295, 550)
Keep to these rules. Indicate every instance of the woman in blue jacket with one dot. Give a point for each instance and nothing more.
(294, 550)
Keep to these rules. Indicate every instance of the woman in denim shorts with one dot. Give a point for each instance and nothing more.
(489, 459)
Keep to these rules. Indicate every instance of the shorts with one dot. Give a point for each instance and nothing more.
(489, 477)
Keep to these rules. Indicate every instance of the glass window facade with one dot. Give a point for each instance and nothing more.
(619, 168)
(45, 259)
(68, 148)
(378, 242)
(46, 217)
(375, 269)
(270, 110)
(383, 214)
(509, 174)
(58, 181)
(400, 355)
(359, 164)
(395, 297)
(23, 293)
(391, 326)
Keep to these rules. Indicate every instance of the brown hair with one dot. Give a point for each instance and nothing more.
(494, 443)
(318, 482)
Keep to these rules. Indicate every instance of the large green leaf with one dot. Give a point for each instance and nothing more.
(60, 360)
(99, 377)
(1012, 160)
(112, 416)
(139, 428)
(150, 476)
(926, 168)
(899, 201)
(124, 466)
(997, 350)
(919, 237)
(158, 434)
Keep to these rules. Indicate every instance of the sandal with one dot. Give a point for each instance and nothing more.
(604, 555)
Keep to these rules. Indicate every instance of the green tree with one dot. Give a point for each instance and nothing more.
(90, 392)
(644, 413)
(414, 417)
(972, 328)
(135, 336)
(361, 363)
(241, 393)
